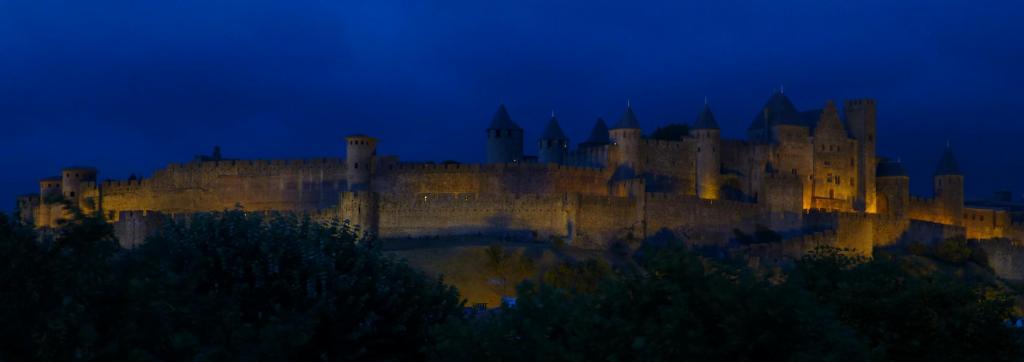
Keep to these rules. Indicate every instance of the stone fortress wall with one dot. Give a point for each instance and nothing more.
(811, 176)
(293, 185)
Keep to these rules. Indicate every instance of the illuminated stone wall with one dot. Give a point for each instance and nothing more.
(931, 210)
(428, 178)
(670, 165)
(521, 216)
(134, 227)
(221, 185)
(700, 221)
(985, 223)
(1005, 257)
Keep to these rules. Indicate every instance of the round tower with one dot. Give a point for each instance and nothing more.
(892, 188)
(625, 137)
(554, 145)
(709, 159)
(593, 151)
(504, 139)
(75, 179)
(359, 154)
(949, 187)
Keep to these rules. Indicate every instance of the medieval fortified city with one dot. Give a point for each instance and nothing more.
(452, 181)
(813, 176)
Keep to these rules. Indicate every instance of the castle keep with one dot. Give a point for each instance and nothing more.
(810, 175)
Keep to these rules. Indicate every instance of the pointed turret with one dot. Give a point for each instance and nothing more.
(892, 187)
(778, 110)
(949, 187)
(502, 120)
(626, 138)
(553, 130)
(706, 119)
(504, 138)
(599, 134)
(709, 162)
(554, 146)
(628, 120)
(947, 164)
(889, 168)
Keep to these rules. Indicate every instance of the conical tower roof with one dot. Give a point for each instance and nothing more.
(777, 110)
(502, 120)
(889, 168)
(947, 164)
(553, 131)
(628, 120)
(706, 119)
(599, 134)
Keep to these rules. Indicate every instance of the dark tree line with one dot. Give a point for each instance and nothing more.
(236, 286)
(680, 306)
(225, 286)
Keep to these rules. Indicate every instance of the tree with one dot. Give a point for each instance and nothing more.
(222, 286)
(953, 250)
(762, 234)
(678, 307)
(906, 317)
(506, 268)
(580, 277)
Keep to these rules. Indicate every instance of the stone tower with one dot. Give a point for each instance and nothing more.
(74, 180)
(786, 136)
(554, 145)
(949, 187)
(860, 118)
(892, 188)
(709, 159)
(594, 151)
(504, 139)
(48, 212)
(773, 122)
(625, 137)
(359, 156)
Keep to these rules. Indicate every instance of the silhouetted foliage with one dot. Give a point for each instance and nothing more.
(953, 250)
(907, 317)
(834, 306)
(671, 132)
(505, 267)
(762, 234)
(583, 276)
(236, 286)
(680, 307)
(229, 286)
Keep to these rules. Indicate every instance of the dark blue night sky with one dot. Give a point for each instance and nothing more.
(129, 86)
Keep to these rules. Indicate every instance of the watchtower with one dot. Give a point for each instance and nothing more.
(360, 151)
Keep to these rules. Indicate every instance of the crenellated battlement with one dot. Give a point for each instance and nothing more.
(860, 102)
(261, 164)
(474, 202)
(124, 185)
(667, 144)
(696, 201)
(412, 167)
(613, 186)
